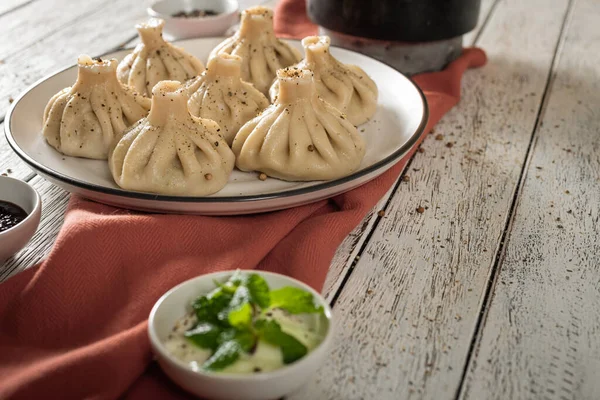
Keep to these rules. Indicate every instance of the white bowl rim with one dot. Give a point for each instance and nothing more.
(157, 14)
(286, 369)
(30, 215)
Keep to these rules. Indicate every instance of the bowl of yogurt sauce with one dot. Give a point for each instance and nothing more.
(247, 335)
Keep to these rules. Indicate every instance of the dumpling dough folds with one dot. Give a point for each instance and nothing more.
(221, 95)
(86, 119)
(261, 52)
(155, 60)
(172, 152)
(300, 137)
(346, 87)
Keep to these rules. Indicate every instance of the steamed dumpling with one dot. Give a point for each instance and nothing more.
(346, 87)
(172, 152)
(300, 137)
(154, 60)
(221, 95)
(261, 52)
(86, 119)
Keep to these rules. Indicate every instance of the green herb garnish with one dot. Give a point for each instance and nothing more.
(294, 301)
(270, 332)
(234, 316)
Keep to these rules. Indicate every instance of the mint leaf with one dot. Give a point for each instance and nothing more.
(246, 338)
(204, 335)
(207, 308)
(294, 300)
(226, 354)
(241, 317)
(240, 307)
(259, 290)
(291, 348)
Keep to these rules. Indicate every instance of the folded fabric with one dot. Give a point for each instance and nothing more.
(74, 327)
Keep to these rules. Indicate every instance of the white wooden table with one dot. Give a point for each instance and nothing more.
(494, 291)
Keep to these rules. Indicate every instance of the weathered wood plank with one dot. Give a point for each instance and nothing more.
(54, 203)
(8, 6)
(346, 254)
(10, 163)
(32, 21)
(406, 316)
(40, 19)
(541, 337)
(96, 33)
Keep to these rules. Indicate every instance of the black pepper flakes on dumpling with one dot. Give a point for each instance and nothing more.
(220, 94)
(86, 119)
(170, 151)
(346, 87)
(300, 137)
(261, 51)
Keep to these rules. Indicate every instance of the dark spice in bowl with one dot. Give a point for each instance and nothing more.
(10, 215)
(195, 13)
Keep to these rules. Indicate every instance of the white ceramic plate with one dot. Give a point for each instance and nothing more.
(400, 119)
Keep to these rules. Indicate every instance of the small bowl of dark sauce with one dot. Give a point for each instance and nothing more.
(195, 18)
(20, 212)
(195, 13)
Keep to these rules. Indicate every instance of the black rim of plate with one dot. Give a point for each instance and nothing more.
(396, 156)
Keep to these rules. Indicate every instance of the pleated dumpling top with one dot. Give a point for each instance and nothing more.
(261, 52)
(346, 87)
(172, 152)
(220, 94)
(300, 137)
(155, 60)
(86, 119)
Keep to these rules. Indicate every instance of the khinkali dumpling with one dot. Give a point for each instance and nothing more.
(221, 95)
(261, 52)
(154, 60)
(300, 137)
(86, 119)
(172, 152)
(346, 87)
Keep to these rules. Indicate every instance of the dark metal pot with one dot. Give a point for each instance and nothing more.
(412, 35)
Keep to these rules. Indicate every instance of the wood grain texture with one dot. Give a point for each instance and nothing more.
(9, 6)
(10, 163)
(96, 33)
(541, 337)
(33, 21)
(406, 316)
(346, 254)
(54, 203)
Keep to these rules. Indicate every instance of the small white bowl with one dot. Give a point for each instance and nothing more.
(260, 386)
(20, 193)
(183, 28)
